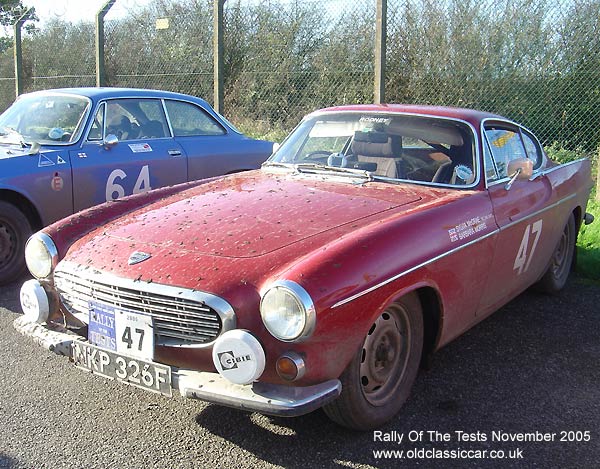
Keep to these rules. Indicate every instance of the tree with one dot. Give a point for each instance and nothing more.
(10, 12)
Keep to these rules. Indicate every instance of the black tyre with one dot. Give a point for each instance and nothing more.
(378, 380)
(14, 232)
(555, 277)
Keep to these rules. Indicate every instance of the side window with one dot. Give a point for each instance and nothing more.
(136, 119)
(505, 146)
(534, 152)
(187, 119)
(97, 124)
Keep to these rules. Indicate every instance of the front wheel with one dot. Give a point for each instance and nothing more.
(378, 380)
(556, 275)
(14, 232)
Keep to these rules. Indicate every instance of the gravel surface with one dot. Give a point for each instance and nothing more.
(531, 367)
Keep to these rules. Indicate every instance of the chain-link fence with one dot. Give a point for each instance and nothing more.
(535, 61)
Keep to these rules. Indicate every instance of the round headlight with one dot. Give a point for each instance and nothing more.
(40, 255)
(287, 311)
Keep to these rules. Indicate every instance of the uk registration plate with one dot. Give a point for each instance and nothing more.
(146, 375)
(121, 346)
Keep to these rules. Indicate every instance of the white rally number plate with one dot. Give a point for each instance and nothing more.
(146, 375)
(122, 331)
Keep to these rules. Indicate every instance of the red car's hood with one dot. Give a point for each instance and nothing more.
(252, 214)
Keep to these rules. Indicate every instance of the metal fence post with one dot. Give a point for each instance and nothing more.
(100, 71)
(380, 48)
(19, 52)
(218, 81)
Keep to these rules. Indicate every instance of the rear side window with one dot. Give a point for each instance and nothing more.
(187, 120)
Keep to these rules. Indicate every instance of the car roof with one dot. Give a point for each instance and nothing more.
(470, 115)
(96, 93)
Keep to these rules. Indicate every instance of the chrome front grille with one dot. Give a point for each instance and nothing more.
(180, 316)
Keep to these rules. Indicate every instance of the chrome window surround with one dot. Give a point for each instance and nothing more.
(305, 300)
(447, 253)
(162, 100)
(202, 110)
(221, 307)
(536, 172)
(103, 101)
(476, 146)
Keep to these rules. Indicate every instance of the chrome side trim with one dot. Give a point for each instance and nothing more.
(554, 168)
(448, 253)
(535, 214)
(412, 269)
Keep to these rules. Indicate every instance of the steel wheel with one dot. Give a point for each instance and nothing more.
(378, 379)
(385, 355)
(558, 264)
(559, 268)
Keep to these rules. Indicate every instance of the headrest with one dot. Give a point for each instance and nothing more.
(372, 144)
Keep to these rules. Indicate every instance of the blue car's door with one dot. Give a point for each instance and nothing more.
(143, 156)
(211, 147)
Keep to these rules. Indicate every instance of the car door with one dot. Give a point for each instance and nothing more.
(526, 213)
(128, 149)
(212, 149)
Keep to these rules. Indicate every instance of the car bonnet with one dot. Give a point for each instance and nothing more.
(252, 214)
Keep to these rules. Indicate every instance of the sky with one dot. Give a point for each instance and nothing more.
(77, 10)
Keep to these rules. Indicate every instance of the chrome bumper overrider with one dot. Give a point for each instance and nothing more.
(271, 399)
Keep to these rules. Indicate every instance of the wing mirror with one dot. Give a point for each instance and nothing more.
(521, 168)
(110, 141)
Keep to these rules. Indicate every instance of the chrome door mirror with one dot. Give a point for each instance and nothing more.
(520, 168)
(110, 141)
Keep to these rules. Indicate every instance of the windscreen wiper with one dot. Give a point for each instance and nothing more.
(308, 167)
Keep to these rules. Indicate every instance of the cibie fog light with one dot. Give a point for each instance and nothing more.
(287, 311)
(40, 255)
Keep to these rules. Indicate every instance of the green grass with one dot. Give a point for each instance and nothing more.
(588, 244)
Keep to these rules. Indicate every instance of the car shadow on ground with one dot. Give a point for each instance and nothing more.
(529, 367)
(6, 462)
(8, 298)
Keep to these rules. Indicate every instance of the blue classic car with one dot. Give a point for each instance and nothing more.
(65, 150)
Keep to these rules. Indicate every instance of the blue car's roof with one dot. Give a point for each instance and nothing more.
(109, 92)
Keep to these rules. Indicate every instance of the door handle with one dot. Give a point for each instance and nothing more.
(174, 152)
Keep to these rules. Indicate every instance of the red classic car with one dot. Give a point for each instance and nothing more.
(375, 235)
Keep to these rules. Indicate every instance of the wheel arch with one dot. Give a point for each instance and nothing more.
(578, 215)
(23, 204)
(432, 319)
(432, 310)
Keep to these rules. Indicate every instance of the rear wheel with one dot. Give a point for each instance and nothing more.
(378, 380)
(14, 232)
(556, 276)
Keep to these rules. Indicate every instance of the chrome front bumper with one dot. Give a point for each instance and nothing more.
(270, 399)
